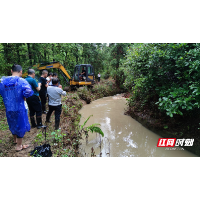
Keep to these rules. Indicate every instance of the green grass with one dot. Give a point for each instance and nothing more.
(3, 125)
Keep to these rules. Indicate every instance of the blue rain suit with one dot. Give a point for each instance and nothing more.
(13, 89)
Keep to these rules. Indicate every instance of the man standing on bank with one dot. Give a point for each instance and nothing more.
(43, 90)
(99, 75)
(14, 90)
(33, 102)
(54, 93)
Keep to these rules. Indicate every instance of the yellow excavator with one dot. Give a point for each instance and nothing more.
(77, 79)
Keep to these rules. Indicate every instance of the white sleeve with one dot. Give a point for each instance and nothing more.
(63, 93)
(60, 91)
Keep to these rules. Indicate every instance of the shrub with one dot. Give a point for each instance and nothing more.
(84, 94)
(165, 74)
(105, 75)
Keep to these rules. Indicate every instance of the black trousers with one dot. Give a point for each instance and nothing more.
(98, 79)
(43, 98)
(57, 109)
(34, 106)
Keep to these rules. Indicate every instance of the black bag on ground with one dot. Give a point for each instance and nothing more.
(44, 151)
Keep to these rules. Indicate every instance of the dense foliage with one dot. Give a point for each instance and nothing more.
(166, 75)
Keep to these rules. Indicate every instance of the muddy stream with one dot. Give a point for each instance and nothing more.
(124, 136)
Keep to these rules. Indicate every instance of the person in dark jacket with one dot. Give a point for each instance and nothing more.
(33, 102)
(43, 90)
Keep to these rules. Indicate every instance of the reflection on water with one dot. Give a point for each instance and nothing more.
(124, 136)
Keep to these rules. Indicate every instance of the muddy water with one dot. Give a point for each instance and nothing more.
(124, 136)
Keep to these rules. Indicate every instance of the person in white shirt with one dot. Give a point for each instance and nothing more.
(99, 75)
(54, 93)
(49, 78)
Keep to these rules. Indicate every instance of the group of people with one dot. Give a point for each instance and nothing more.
(16, 91)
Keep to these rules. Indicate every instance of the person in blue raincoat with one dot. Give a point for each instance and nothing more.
(14, 90)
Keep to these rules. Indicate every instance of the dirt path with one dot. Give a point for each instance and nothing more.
(8, 148)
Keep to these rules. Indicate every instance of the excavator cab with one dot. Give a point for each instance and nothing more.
(89, 74)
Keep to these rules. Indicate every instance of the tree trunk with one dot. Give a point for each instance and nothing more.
(117, 78)
(7, 57)
(18, 55)
(35, 53)
(29, 54)
(7, 51)
(45, 55)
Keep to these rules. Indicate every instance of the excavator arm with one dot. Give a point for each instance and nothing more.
(54, 65)
(65, 74)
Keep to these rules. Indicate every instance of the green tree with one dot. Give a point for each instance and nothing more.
(118, 52)
(165, 76)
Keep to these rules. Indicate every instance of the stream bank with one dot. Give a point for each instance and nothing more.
(177, 127)
(123, 135)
